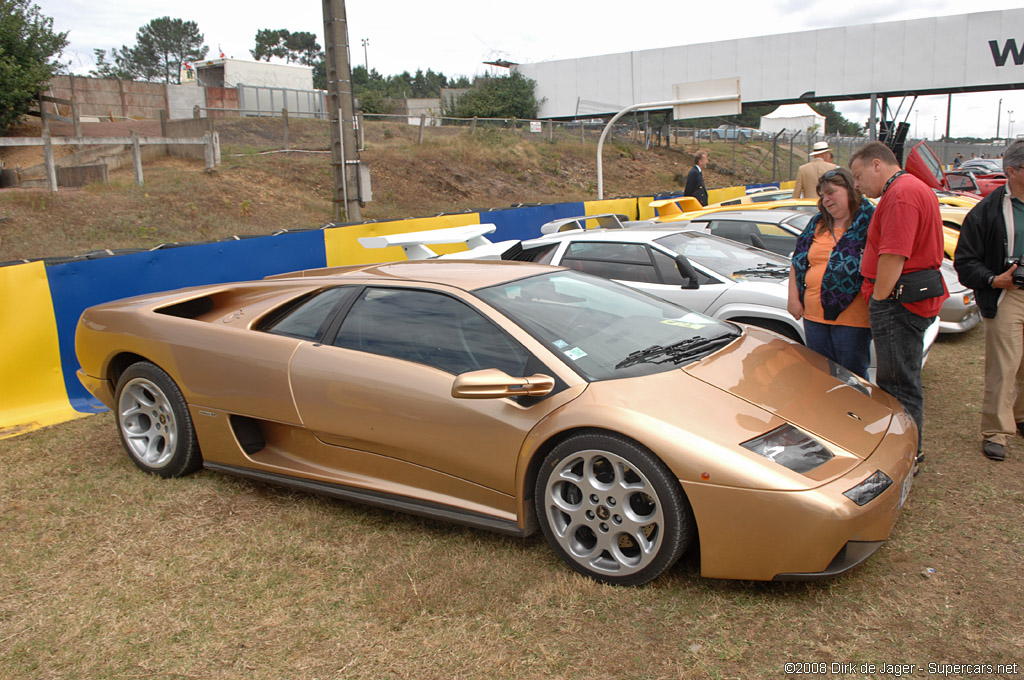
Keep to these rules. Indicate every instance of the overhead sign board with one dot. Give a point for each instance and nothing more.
(961, 53)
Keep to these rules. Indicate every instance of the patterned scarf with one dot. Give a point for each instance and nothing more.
(842, 280)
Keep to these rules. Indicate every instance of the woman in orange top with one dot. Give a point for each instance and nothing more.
(825, 280)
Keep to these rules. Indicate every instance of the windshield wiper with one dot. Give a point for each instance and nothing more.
(765, 269)
(677, 352)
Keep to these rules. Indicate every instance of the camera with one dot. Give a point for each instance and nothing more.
(1018, 273)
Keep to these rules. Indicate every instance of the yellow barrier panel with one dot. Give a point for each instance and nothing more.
(343, 248)
(719, 195)
(619, 206)
(32, 393)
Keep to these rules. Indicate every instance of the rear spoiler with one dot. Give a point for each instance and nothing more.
(414, 244)
(671, 207)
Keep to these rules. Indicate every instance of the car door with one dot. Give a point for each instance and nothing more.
(639, 266)
(383, 387)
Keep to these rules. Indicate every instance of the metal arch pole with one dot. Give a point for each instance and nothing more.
(650, 105)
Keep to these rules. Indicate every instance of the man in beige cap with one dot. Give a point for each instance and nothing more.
(808, 174)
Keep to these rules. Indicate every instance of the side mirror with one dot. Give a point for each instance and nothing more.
(490, 383)
(687, 271)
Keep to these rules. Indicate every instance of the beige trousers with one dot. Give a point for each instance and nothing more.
(1003, 405)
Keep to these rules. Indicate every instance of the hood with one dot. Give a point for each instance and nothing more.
(797, 385)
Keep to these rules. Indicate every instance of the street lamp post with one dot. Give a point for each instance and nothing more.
(1009, 119)
(999, 113)
(366, 59)
(935, 119)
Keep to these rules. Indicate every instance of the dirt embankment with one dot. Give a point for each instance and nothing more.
(254, 192)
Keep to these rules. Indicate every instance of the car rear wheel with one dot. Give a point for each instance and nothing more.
(154, 422)
(611, 510)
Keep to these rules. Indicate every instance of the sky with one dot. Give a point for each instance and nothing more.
(455, 37)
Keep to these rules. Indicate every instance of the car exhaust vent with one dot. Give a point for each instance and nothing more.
(248, 433)
(189, 309)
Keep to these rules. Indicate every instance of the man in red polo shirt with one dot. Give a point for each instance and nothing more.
(905, 235)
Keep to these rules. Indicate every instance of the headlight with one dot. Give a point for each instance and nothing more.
(845, 375)
(869, 489)
(790, 448)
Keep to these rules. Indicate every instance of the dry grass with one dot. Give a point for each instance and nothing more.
(109, 573)
(251, 193)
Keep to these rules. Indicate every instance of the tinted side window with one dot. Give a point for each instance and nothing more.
(428, 328)
(622, 261)
(309, 318)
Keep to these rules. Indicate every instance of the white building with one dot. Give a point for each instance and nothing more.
(234, 72)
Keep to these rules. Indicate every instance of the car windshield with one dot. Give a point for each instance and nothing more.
(728, 258)
(605, 330)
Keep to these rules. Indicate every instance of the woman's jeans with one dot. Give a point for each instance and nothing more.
(848, 346)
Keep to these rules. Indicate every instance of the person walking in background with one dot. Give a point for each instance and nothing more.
(900, 266)
(958, 161)
(993, 231)
(695, 180)
(825, 279)
(807, 175)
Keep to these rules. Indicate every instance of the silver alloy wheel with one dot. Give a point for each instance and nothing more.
(604, 512)
(147, 422)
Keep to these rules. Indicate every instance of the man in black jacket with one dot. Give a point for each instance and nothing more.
(991, 233)
(695, 180)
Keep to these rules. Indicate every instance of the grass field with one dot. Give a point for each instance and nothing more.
(109, 573)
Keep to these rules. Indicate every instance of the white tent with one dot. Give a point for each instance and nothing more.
(795, 119)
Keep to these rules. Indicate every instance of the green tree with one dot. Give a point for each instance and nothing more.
(29, 48)
(511, 96)
(836, 122)
(270, 43)
(302, 47)
(172, 41)
(127, 64)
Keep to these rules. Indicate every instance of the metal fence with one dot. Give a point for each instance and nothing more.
(256, 100)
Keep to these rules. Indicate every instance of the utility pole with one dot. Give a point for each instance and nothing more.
(341, 109)
(366, 58)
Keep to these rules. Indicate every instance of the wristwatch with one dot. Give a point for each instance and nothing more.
(991, 279)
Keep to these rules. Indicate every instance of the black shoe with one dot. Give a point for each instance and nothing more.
(917, 464)
(993, 450)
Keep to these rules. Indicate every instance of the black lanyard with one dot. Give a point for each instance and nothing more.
(891, 180)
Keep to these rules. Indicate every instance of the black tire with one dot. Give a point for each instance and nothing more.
(611, 510)
(154, 423)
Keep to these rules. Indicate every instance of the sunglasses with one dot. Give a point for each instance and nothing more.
(830, 174)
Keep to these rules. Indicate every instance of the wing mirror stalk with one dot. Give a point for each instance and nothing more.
(491, 383)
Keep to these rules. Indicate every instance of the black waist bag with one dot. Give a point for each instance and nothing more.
(919, 285)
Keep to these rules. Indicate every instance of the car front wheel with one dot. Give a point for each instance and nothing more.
(154, 422)
(612, 510)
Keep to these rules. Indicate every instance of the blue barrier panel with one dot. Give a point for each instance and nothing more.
(524, 223)
(77, 285)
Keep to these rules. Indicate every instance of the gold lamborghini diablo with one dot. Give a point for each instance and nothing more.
(513, 396)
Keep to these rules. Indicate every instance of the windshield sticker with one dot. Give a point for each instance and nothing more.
(560, 344)
(575, 353)
(692, 321)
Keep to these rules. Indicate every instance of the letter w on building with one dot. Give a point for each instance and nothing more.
(1000, 56)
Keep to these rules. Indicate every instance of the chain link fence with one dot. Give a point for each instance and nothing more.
(747, 157)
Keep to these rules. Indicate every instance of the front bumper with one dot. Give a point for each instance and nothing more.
(765, 535)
